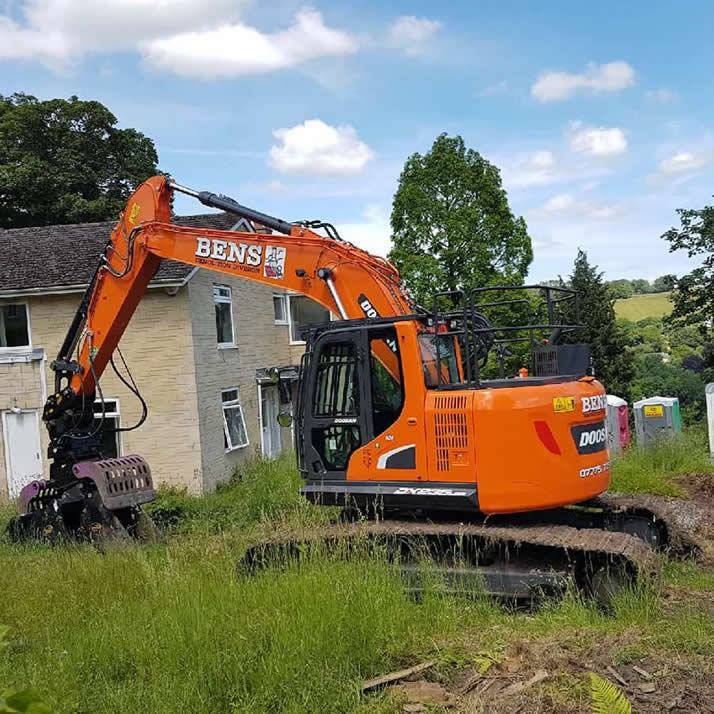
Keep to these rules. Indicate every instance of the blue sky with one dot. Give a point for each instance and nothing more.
(599, 116)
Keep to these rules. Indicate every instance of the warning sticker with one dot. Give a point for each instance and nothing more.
(563, 404)
(654, 410)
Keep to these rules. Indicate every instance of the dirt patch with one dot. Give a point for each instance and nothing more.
(698, 486)
(547, 676)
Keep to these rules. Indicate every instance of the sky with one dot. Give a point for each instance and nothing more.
(599, 115)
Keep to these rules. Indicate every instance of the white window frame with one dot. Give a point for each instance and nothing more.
(110, 415)
(283, 298)
(233, 404)
(289, 323)
(219, 299)
(20, 348)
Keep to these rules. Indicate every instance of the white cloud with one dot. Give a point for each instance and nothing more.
(372, 234)
(197, 39)
(411, 34)
(497, 88)
(610, 77)
(661, 96)
(683, 162)
(680, 167)
(233, 50)
(536, 169)
(566, 204)
(597, 141)
(314, 147)
(67, 29)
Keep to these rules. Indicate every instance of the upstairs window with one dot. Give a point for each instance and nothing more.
(224, 315)
(14, 325)
(235, 435)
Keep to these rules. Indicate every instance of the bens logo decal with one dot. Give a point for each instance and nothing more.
(589, 438)
(275, 262)
(594, 404)
(244, 256)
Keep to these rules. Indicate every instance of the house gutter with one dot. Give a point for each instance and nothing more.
(80, 288)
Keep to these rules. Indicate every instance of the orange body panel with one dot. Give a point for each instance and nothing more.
(515, 468)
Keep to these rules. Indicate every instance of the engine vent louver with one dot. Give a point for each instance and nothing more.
(449, 426)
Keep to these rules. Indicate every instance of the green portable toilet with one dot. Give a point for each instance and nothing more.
(657, 417)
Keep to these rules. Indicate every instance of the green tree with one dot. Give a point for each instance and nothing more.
(655, 377)
(621, 289)
(452, 227)
(664, 284)
(64, 161)
(693, 296)
(613, 363)
(641, 286)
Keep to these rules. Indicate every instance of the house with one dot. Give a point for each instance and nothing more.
(200, 347)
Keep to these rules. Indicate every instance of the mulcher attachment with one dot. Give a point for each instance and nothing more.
(101, 502)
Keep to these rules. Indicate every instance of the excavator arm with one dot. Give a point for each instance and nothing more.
(292, 256)
(346, 280)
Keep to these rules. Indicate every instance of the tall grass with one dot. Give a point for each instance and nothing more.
(264, 492)
(651, 468)
(175, 627)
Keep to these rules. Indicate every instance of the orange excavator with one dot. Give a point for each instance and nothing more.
(394, 409)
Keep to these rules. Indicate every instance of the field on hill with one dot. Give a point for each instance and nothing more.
(174, 627)
(639, 307)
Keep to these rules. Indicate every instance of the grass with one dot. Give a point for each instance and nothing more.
(173, 627)
(651, 469)
(639, 307)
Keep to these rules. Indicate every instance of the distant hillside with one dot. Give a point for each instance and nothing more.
(641, 306)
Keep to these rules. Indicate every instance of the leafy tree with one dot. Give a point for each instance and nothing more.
(452, 227)
(621, 289)
(693, 296)
(64, 161)
(664, 284)
(655, 377)
(613, 363)
(640, 286)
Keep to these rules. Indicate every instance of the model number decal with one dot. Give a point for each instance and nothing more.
(404, 491)
(595, 470)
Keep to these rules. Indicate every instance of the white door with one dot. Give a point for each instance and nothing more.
(23, 457)
(270, 402)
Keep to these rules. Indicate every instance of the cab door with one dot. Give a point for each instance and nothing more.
(336, 404)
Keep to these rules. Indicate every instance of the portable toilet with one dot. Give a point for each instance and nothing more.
(618, 424)
(657, 417)
(710, 416)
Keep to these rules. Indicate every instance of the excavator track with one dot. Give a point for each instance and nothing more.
(598, 547)
(514, 561)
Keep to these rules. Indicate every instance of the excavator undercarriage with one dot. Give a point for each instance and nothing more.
(598, 548)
